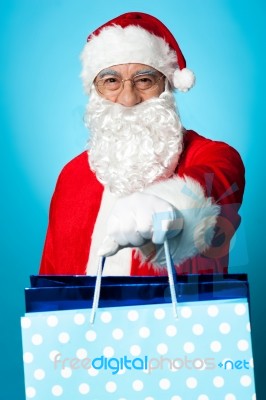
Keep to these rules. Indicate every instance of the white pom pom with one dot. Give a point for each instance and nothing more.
(183, 79)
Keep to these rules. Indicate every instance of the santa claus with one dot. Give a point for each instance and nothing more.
(145, 177)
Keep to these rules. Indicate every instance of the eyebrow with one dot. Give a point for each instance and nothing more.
(146, 72)
(112, 72)
(107, 71)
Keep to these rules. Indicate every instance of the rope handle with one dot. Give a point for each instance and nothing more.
(97, 290)
(171, 277)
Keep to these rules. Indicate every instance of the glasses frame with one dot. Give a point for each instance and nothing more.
(118, 91)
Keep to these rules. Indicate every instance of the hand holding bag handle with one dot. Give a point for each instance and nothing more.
(171, 277)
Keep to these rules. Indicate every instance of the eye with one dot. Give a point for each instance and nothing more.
(143, 82)
(111, 83)
(110, 80)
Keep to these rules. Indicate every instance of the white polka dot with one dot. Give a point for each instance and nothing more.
(28, 357)
(254, 397)
(39, 374)
(93, 372)
(52, 321)
(79, 319)
(149, 398)
(106, 317)
(25, 322)
(118, 334)
(54, 354)
(159, 313)
(137, 385)
(240, 309)
(133, 315)
(30, 392)
(110, 387)
(213, 311)
(189, 347)
(218, 381)
(245, 380)
(199, 364)
(176, 398)
(164, 384)
(108, 351)
(66, 372)
(81, 353)
(242, 345)
(57, 390)
(63, 337)
(144, 332)
(191, 383)
(135, 350)
(203, 397)
(224, 328)
(171, 330)
(186, 312)
(230, 396)
(121, 371)
(84, 388)
(215, 346)
(248, 327)
(162, 348)
(197, 329)
(90, 336)
(37, 339)
(251, 363)
(177, 364)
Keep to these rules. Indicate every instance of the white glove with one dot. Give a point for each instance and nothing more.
(137, 219)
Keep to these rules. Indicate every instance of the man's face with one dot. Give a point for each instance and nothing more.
(129, 84)
(135, 135)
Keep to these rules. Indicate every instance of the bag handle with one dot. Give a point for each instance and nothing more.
(172, 277)
(97, 290)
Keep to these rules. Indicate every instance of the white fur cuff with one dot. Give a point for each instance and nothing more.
(199, 213)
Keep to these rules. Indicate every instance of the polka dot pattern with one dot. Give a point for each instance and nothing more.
(52, 321)
(30, 392)
(144, 332)
(111, 387)
(84, 388)
(66, 372)
(63, 337)
(79, 319)
(57, 390)
(39, 374)
(175, 359)
(197, 329)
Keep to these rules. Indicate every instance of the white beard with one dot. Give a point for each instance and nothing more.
(132, 147)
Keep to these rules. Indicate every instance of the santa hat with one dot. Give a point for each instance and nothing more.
(139, 38)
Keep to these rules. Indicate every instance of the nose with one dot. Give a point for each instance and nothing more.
(128, 96)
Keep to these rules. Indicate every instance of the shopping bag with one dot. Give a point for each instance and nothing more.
(137, 349)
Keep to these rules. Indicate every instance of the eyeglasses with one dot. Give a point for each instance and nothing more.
(114, 84)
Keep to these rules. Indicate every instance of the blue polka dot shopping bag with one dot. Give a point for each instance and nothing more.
(147, 339)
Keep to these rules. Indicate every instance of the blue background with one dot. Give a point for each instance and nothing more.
(42, 105)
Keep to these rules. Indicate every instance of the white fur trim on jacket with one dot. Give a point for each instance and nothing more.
(200, 216)
(116, 45)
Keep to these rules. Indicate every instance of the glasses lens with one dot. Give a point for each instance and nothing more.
(109, 84)
(145, 82)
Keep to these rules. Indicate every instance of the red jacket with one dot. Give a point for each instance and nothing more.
(77, 198)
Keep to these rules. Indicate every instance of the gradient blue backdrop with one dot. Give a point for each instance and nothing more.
(42, 105)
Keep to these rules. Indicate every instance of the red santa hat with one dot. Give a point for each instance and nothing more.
(139, 38)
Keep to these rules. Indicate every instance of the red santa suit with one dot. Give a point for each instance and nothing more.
(209, 173)
(206, 186)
